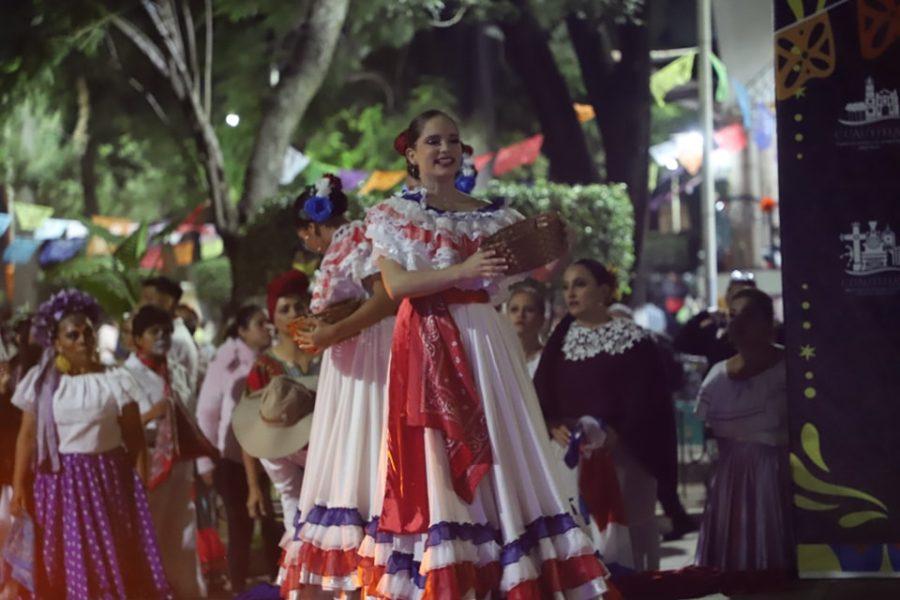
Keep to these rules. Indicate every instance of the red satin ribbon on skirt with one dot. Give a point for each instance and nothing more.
(431, 385)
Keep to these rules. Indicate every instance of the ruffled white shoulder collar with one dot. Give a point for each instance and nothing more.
(613, 337)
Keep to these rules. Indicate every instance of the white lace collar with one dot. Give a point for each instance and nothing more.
(616, 336)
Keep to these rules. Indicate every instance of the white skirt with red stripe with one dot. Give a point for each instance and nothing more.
(341, 492)
(520, 537)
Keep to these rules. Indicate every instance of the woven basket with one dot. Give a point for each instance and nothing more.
(332, 314)
(526, 245)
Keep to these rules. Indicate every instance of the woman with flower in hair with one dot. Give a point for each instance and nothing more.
(471, 506)
(339, 497)
(94, 530)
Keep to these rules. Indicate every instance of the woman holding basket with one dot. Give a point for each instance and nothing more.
(471, 504)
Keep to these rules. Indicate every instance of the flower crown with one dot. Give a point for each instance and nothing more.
(56, 308)
(319, 207)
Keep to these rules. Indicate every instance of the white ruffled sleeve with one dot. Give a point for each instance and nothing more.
(392, 234)
(344, 267)
(125, 388)
(357, 261)
(707, 397)
(26, 393)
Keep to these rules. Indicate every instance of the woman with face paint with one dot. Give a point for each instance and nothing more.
(171, 479)
(339, 497)
(746, 523)
(472, 506)
(95, 532)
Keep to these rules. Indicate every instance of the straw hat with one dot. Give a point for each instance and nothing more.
(275, 421)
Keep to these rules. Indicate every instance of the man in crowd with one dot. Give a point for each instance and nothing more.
(165, 293)
(705, 334)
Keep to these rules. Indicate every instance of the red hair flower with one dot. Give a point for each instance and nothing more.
(401, 142)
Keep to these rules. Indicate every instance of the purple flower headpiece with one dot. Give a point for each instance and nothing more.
(55, 309)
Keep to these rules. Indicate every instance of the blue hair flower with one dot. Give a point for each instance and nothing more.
(318, 208)
(468, 174)
(465, 183)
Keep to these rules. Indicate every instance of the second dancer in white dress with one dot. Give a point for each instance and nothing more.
(339, 499)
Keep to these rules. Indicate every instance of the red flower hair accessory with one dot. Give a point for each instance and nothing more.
(401, 142)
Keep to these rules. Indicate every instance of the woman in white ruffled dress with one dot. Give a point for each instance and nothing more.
(338, 498)
(471, 505)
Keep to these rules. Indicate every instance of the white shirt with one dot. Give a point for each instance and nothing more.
(154, 386)
(286, 474)
(532, 363)
(184, 351)
(748, 410)
(86, 408)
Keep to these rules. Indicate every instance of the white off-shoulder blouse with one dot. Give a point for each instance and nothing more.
(86, 408)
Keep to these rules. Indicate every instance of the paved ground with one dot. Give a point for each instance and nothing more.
(680, 554)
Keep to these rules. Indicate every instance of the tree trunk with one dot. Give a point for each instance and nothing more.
(620, 95)
(91, 205)
(307, 66)
(85, 146)
(528, 53)
(487, 51)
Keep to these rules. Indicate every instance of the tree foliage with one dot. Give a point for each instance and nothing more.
(113, 280)
(393, 59)
(361, 135)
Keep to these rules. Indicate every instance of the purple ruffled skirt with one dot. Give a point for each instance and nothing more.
(97, 540)
(746, 524)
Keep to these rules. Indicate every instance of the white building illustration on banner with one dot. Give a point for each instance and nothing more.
(877, 106)
(871, 251)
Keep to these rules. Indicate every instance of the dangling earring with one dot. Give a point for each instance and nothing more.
(467, 174)
(413, 170)
(62, 364)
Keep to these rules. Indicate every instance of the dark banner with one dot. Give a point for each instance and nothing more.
(837, 76)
